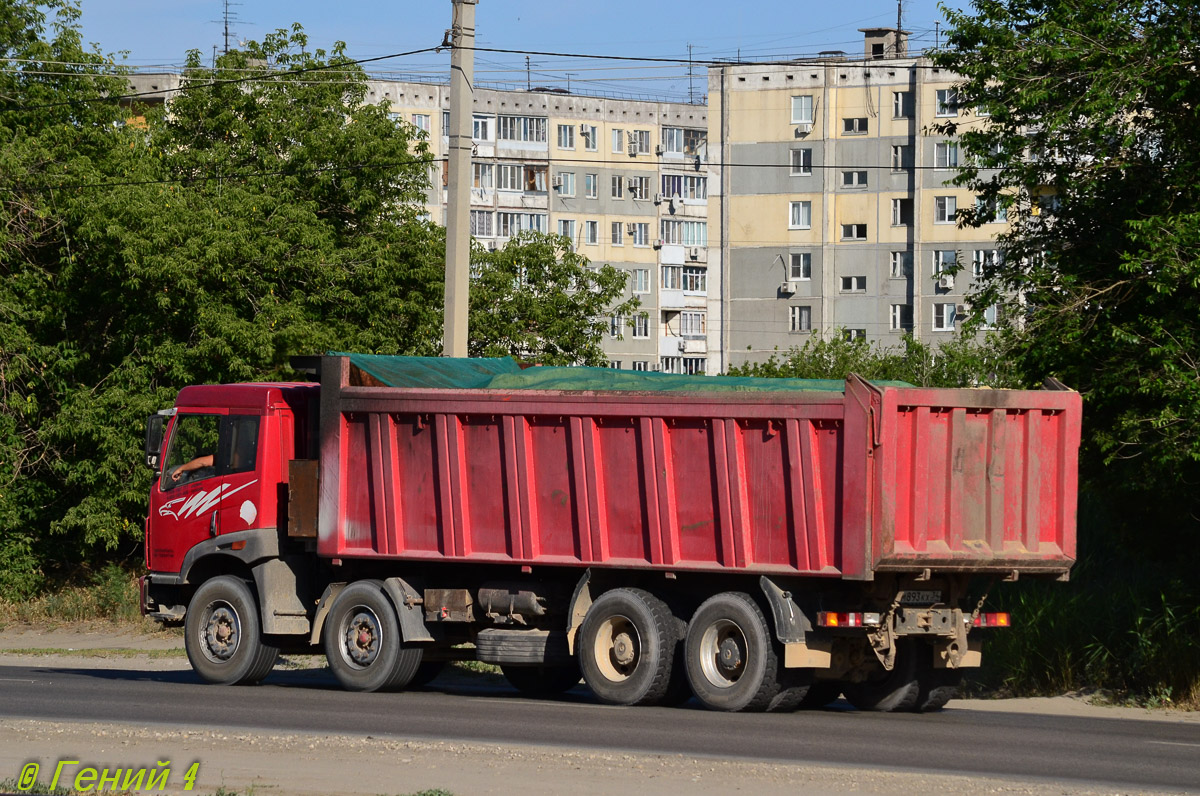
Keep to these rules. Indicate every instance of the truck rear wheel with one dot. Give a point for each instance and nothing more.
(223, 635)
(731, 659)
(892, 691)
(936, 686)
(627, 647)
(363, 643)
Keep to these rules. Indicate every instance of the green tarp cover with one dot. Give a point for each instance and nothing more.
(503, 373)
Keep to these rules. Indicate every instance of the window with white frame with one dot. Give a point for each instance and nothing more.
(567, 186)
(901, 317)
(944, 316)
(856, 125)
(854, 334)
(695, 187)
(482, 128)
(446, 123)
(854, 231)
(695, 279)
(693, 140)
(945, 155)
(686, 233)
(900, 264)
(691, 324)
(800, 266)
(641, 234)
(991, 317)
(616, 325)
(618, 234)
(944, 261)
(902, 157)
(535, 179)
(481, 224)
(991, 211)
(639, 280)
(902, 212)
(672, 185)
(639, 142)
(481, 176)
(615, 364)
(566, 228)
(802, 162)
(509, 177)
(618, 186)
(902, 105)
(530, 129)
(639, 187)
(566, 136)
(590, 136)
(618, 140)
(640, 364)
(945, 208)
(591, 232)
(854, 284)
(672, 277)
(800, 215)
(641, 325)
(854, 179)
(983, 262)
(800, 318)
(672, 140)
(802, 109)
(947, 102)
(421, 122)
(590, 185)
(690, 366)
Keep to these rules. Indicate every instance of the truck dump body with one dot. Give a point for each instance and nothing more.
(811, 480)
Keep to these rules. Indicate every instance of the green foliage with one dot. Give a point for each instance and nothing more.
(537, 300)
(961, 362)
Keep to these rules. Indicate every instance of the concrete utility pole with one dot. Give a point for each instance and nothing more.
(458, 211)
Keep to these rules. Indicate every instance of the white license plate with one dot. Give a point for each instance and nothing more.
(920, 597)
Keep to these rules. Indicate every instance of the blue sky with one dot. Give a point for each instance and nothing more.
(159, 32)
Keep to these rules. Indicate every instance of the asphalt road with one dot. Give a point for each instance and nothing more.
(1125, 754)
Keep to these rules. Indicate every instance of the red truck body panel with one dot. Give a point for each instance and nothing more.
(800, 483)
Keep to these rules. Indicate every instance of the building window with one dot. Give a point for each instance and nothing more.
(854, 125)
(535, 179)
(618, 234)
(481, 224)
(902, 157)
(691, 324)
(522, 128)
(639, 364)
(900, 265)
(801, 162)
(944, 316)
(509, 177)
(854, 231)
(902, 317)
(641, 325)
(686, 233)
(591, 232)
(618, 140)
(685, 187)
(854, 179)
(672, 140)
(991, 317)
(801, 318)
(509, 224)
(566, 183)
(481, 176)
(590, 137)
(482, 128)
(690, 366)
(639, 142)
(421, 122)
(991, 211)
(672, 277)
(800, 266)
(693, 140)
(590, 185)
(566, 228)
(618, 186)
(641, 234)
(854, 334)
(616, 325)
(944, 261)
(902, 212)
(640, 280)
(902, 105)
(983, 262)
(800, 215)
(945, 208)
(802, 109)
(615, 364)
(854, 284)
(945, 155)
(695, 279)
(639, 187)
(947, 102)
(566, 136)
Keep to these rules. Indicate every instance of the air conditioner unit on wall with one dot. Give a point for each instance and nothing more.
(694, 253)
(556, 182)
(788, 288)
(658, 244)
(803, 129)
(946, 282)
(658, 198)
(631, 228)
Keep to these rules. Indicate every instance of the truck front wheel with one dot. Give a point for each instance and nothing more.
(362, 641)
(627, 647)
(223, 636)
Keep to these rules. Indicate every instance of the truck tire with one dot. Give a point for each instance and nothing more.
(732, 663)
(627, 647)
(893, 691)
(540, 681)
(223, 636)
(362, 641)
(935, 687)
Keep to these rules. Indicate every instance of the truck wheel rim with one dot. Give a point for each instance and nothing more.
(222, 633)
(724, 652)
(362, 638)
(617, 648)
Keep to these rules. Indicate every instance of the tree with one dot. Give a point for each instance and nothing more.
(1092, 143)
(536, 299)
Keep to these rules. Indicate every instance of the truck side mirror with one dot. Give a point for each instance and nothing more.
(154, 439)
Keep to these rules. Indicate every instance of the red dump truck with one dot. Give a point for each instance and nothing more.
(758, 544)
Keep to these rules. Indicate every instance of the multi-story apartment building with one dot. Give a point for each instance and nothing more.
(831, 204)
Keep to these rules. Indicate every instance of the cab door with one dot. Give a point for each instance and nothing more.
(242, 500)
